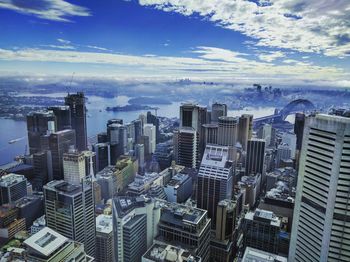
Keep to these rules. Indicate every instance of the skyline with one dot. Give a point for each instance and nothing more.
(271, 42)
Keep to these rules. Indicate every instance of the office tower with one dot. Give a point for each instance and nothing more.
(221, 246)
(30, 208)
(164, 154)
(12, 188)
(227, 131)
(137, 129)
(261, 230)
(187, 226)
(283, 153)
(179, 188)
(186, 147)
(290, 139)
(102, 155)
(104, 239)
(252, 187)
(42, 168)
(76, 103)
(210, 134)
(143, 120)
(245, 123)
(140, 156)
(215, 179)
(107, 178)
(163, 252)
(117, 139)
(63, 117)
(48, 245)
(194, 116)
(150, 131)
(38, 123)
(59, 143)
(74, 167)
(255, 157)
(69, 210)
(144, 140)
(135, 226)
(218, 110)
(102, 137)
(253, 254)
(268, 133)
(321, 213)
(154, 120)
(299, 129)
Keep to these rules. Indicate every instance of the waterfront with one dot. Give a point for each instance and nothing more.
(96, 121)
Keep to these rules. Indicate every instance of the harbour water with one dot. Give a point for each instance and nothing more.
(96, 122)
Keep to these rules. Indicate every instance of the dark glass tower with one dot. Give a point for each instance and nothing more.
(63, 117)
(76, 103)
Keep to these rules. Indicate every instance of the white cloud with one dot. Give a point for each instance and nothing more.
(210, 63)
(271, 56)
(55, 10)
(318, 26)
(63, 41)
(97, 48)
(64, 47)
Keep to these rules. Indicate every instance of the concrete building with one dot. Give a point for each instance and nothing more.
(179, 188)
(135, 226)
(186, 227)
(251, 185)
(63, 117)
(290, 139)
(127, 168)
(215, 179)
(117, 138)
(150, 131)
(320, 230)
(254, 255)
(140, 155)
(74, 166)
(12, 188)
(49, 246)
(110, 182)
(37, 225)
(104, 239)
(210, 134)
(69, 210)
(159, 252)
(10, 223)
(261, 230)
(142, 184)
(283, 153)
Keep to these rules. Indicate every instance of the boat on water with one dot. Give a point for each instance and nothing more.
(12, 141)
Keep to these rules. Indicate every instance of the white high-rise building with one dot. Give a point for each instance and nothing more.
(150, 131)
(291, 140)
(321, 222)
(74, 167)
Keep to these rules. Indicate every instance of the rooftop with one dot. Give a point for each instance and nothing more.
(254, 255)
(217, 156)
(11, 179)
(104, 224)
(263, 216)
(46, 241)
(178, 180)
(65, 188)
(168, 253)
(125, 204)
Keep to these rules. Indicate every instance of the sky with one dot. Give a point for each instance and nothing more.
(284, 42)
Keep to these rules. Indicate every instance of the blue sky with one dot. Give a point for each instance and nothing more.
(269, 41)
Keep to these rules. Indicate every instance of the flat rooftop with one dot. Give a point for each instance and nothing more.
(104, 224)
(263, 216)
(46, 241)
(11, 179)
(65, 188)
(256, 255)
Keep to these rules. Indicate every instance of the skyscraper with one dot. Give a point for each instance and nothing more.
(102, 155)
(69, 210)
(299, 128)
(59, 143)
(215, 179)
(104, 239)
(74, 167)
(154, 120)
(117, 138)
(255, 157)
(227, 132)
(321, 221)
(218, 110)
(76, 103)
(38, 123)
(63, 117)
(186, 145)
(150, 131)
(210, 134)
(245, 123)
